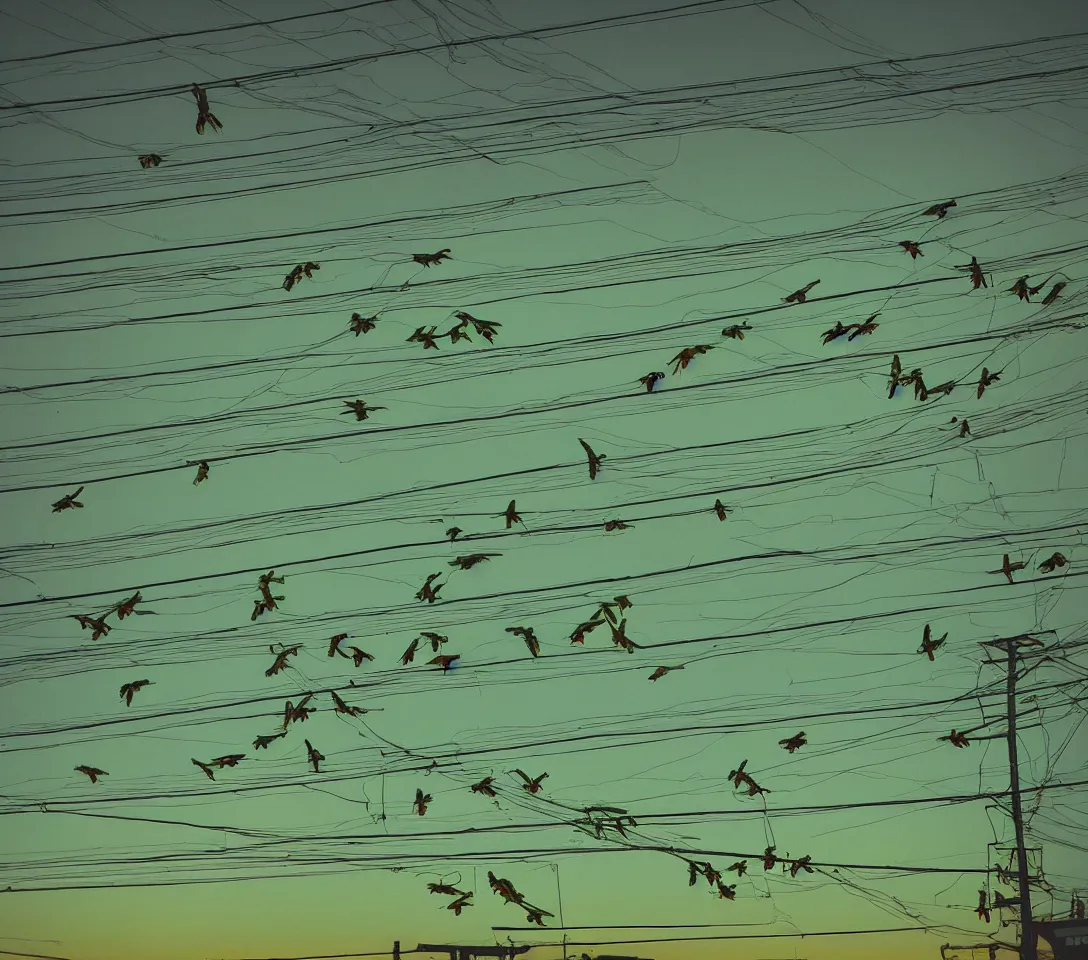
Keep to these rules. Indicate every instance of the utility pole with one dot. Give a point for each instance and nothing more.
(1010, 645)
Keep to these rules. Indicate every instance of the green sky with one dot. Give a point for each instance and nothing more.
(615, 182)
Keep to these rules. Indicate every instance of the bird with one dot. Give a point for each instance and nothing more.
(531, 784)
(334, 644)
(529, 636)
(422, 799)
(359, 324)
(230, 760)
(685, 356)
(835, 332)
(453, 533)
(280, 662)
(956, 738)
(866, 327)
(261, 606)
(424, 336)
(460, 903)
(341, 707)
(149, 160)
(512, 516)
(128, 607)
(457, 333)
(299, 714)
(975, 272)
(204, 115)
(793, 743)
(410, 654)
(202, 470)
(445, 889)
(896, 372)
(485, 787)
(1020, 288)
(432, 259)
(620, 638)
(359, 408)
(796, 866)
(661, 671)
(1008, 568)
(262, 742)
(929, 645)
(652, 379)
(738, 776)
(741, 867)
(445, 661)
(358, 656)
(131, 688)
(1052, 562)
(595, 459)
(468, 562)
(68, 502)
(909, 246)
(965, 428)
(719, 509)
(536, 915)
(726, 891)
(208, 772)
(504, 888)
(314, 756)
(985, 380)
(939, 210)
(93, 772)
(98, 625)
(427, 592)
(1053, 294)
(485, 328)
(981, 911)
(610, 526)
(769, 859)
(799, 296)
(736, 331)
(941, 390)
(578, 635)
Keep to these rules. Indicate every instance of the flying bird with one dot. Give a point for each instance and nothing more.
(359, 408)
(895, 373)
(1008, 568)
(738, 776)
(504, 888)
(866, 327)
(422, 799)
(149, 160)
(485, 328)
(128, 607)
(741, 867)
(314, 756)
(456, 333)
(511, 515)
(280, 662)
(445, 889)
(262, 742)
(1052, 562)
(793, 743)
(536, 915)
(579, 633)
(230, 760)
(929, 645)
(799, 296)
(620, 638)
(98, 625)
(204, 115)
(453, 533)
(1020, 288)
(909, 246)
(93, 772)
(726, 891)
(661, 671)
(531, 784)
(128, 690)
(299, 714)
(202, 471)
(719, 509)
(334, 644)
(975, 272)
(424, 336)
(835, 332)
(956, 738)
(68, 502)
(445, 661)
(985, 380)
(610, 526)
(939, 210)
(652, 379)
(208, 772)
(359, 324)
(431, 259)
(595, 459)
(796, 866)
(460, 903)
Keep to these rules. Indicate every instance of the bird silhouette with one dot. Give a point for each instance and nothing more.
(1051, 563)
(793, 743)
(531, 784)
(314, 756)
(939, 210)
(1008, 568)
(431, 259)
(909, 246)
(799, 296)
(93, 772)
(69, 502)
(929, 645)
(131, 688)
(595, 459)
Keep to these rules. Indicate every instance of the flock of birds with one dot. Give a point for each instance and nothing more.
(610, 613)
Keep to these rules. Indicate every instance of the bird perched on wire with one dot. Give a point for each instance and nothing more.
(985, 380)
(204, 115)
(410, 654)
(445, 661)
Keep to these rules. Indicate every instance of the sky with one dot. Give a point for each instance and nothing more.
(615, 183)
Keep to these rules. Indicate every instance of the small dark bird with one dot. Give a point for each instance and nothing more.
(68, 502)
(93, 772)
(939, 210)
(799, 296)
(129, 689)
(1008, 568)
(793, 743)
(595, 459)
(909, 246)
(1052, 562)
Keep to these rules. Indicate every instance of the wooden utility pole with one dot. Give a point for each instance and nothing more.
(1010, 645)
